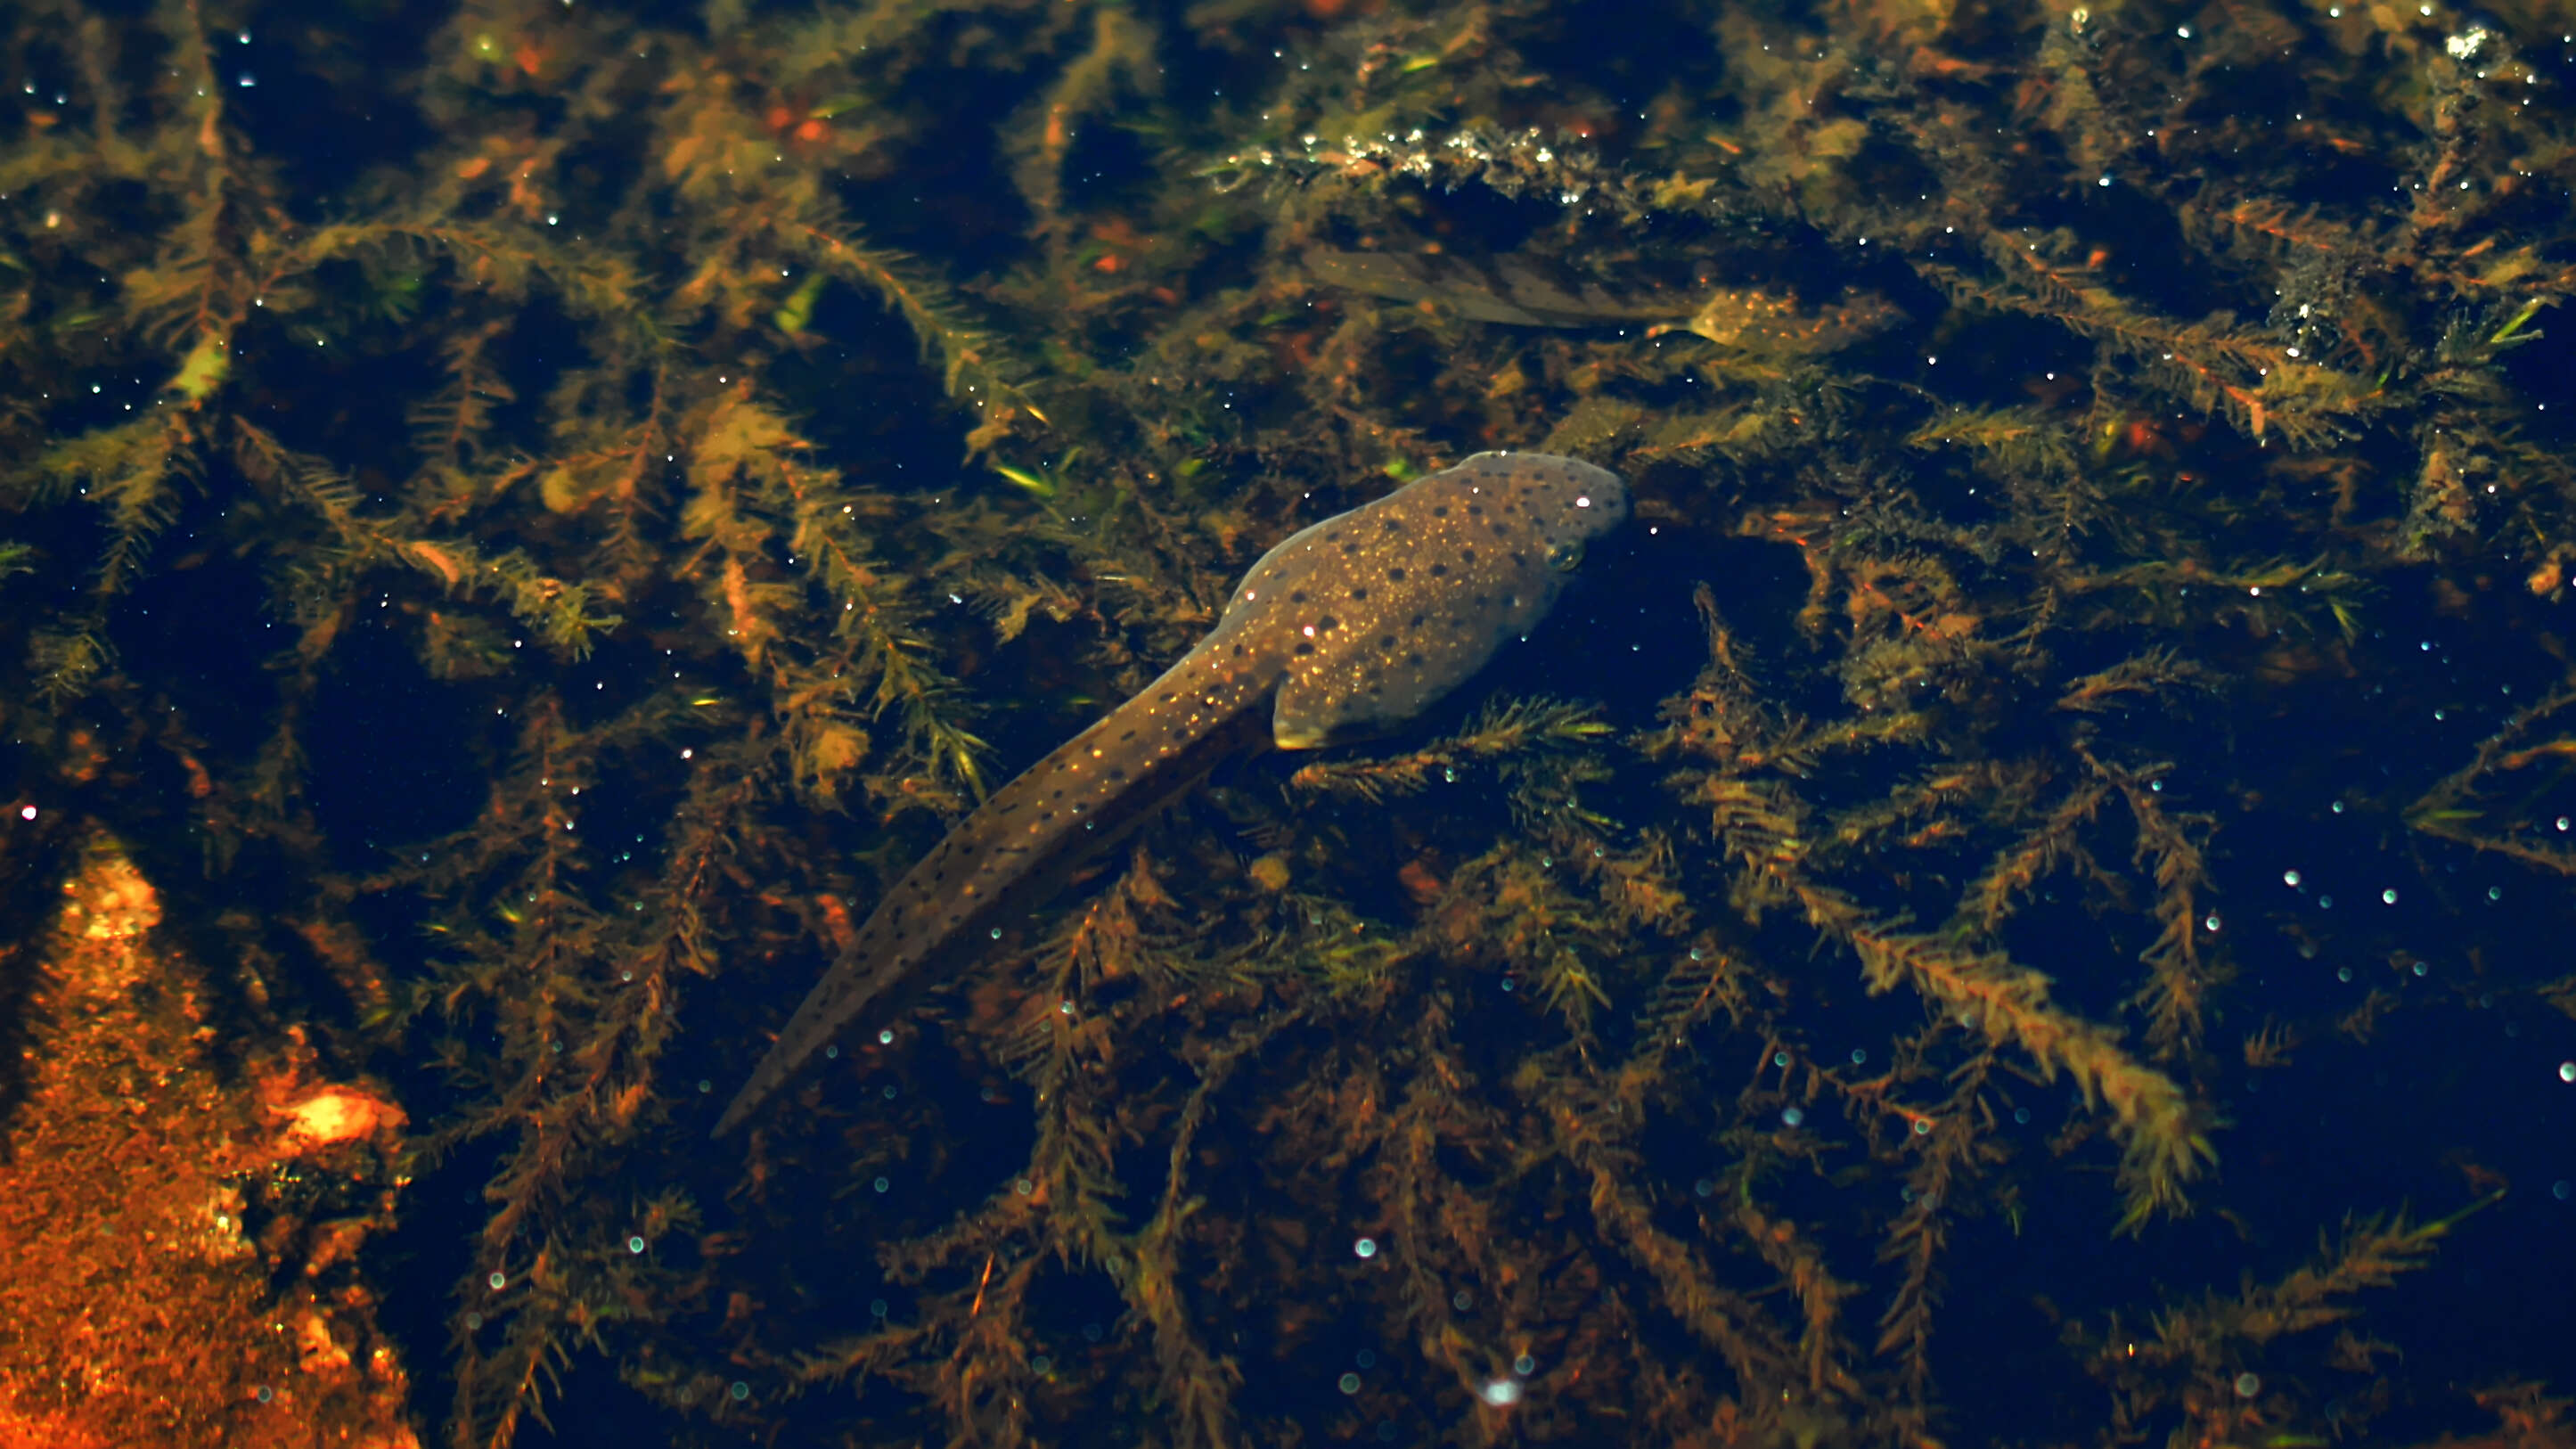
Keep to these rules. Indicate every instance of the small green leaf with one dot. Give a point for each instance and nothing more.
(204, 368)
(2512, 332)
(1033, 482)
(799, 309)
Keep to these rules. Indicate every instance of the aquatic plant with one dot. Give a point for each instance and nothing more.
(530, 516)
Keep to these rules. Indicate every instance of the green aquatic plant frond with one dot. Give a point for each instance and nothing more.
(975, 366)
(1502, 729)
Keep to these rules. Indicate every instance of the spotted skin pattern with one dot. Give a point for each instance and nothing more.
(1348, 628)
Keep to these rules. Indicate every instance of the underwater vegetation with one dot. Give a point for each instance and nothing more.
(2015, 901)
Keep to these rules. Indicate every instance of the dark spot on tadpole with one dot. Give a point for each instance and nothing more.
(1360, 594)
(1327, 622)
(1417, 621)
(1440, 571)
(1413, 658)
(1386, 641)
(1122, 739)
(1298, 597)
(1117, 772)
(1440, 512)
(1305, 647)
(1468, 554)
(1396, 574)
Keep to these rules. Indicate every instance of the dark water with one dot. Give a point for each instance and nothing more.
(1981, 383)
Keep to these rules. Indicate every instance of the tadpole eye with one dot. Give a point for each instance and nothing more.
(1565, 557)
